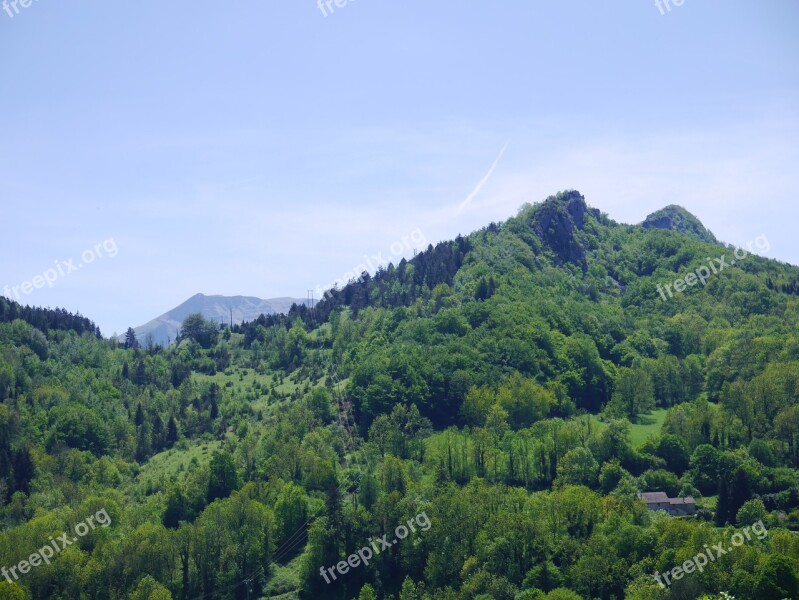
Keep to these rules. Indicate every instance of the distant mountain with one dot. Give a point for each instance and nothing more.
(676, 218)
(163, 330)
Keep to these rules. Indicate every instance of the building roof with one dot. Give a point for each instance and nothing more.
(654, 497)
(663, 498)
(686, 500)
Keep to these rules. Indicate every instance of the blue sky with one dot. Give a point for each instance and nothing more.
(262, 148)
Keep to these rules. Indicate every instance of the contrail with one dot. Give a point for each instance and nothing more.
(484, 180)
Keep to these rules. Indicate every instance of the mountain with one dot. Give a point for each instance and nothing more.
(163, 330)
(676, 218)
(514, 388)
(539, 249)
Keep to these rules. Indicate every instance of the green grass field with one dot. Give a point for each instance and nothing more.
(707, 502)
(170, 466)
(647, 426)
(244, 382)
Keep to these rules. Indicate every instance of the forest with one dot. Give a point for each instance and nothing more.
(519, 386)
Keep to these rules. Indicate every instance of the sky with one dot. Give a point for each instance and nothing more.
(151, 150)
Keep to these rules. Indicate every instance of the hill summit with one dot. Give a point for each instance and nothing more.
(676, 218)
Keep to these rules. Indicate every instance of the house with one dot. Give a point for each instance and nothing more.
(676, 507)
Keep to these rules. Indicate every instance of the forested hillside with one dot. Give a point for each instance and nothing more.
(503, 396)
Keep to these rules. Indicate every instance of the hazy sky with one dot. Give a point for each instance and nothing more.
(263, 148)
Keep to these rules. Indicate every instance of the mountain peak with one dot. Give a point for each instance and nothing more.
(557, 221)
(676, 218)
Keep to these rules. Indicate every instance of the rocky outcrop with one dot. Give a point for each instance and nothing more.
(558, 220)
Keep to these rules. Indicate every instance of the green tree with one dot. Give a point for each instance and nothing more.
(197, 328)
(671, 448)
(777, 579)
(11, 591)
(368, 491)
(661, 480)
(705, 465)
(633, 394)
(525, 401)
(223, 479)
(171, 432)
(150, 589)
(319, 401)
(610, 475)
(408, 591)
(476, 405)
(786, 426)
(177, 509)
(76, 426)
(578, 467)
(291, 513)
(131, 341)
(401, 433)
(545, 576)
(324, 549)
(393, 475)
(724, 511)
(751, 512)
(741, 492)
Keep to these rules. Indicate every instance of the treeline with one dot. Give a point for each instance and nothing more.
(390, 287)
(46, 319)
